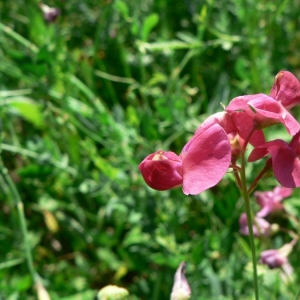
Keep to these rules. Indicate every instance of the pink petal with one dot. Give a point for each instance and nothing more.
(264, 111)
(281, 193)
(270, 201)
(285, 162)
(223, 119)
(205, 159)
(162, 170)
(286, 89)
(286, 166)
(258, 153)
(273, 258)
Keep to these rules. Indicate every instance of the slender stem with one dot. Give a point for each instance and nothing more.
(259, 176)
(250, 224)
(20, 208)
(237, 178)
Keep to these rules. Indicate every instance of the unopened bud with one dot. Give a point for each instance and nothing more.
(112, 292)
(50, 13)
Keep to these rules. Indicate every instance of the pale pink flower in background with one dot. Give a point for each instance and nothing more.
(270, 201)
(273, 258)
(278, 258)
(261, 227)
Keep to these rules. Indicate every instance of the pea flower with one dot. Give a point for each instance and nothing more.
(261, 227)
(181, 289)
(270, 201)
(285, 160)
(278, 258)
(252, 112)
(286, 89)
(202, 163)
(236, 137)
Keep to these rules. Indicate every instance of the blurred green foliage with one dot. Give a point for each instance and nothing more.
(85, 99)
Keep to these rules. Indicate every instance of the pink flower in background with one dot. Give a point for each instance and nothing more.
(270, 201)
(273, 258)
(285, 160)
(261, 227)
(278, 258)
(286, 89)
(202, 163)
(252, 112)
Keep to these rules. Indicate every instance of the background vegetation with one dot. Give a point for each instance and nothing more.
(84, 99)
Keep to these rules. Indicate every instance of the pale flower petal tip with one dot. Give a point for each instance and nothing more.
(181, 289)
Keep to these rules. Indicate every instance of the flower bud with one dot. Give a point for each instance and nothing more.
(162, 170)
(112, 292)
(50, 13)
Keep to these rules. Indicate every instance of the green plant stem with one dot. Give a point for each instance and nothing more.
(21, 215)
(250, 224)
(259, 176)
(298, 295)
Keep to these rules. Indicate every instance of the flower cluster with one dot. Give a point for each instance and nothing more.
(219, 141)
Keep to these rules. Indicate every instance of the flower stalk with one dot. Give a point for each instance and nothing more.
(245, 195)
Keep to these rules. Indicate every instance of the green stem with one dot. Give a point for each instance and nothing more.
(259, 176)
(20, 208)
(250, 224)
(298, 295)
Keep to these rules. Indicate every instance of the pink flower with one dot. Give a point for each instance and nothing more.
(270, 201)
(278, 258)
(261, 227)
(235, 136)
(202, 163)
(273, 258)
(286, 89)
(252, 112)
(285, 160)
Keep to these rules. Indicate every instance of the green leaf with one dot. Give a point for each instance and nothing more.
(150, 22)
(123, 9)
(27, 108)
